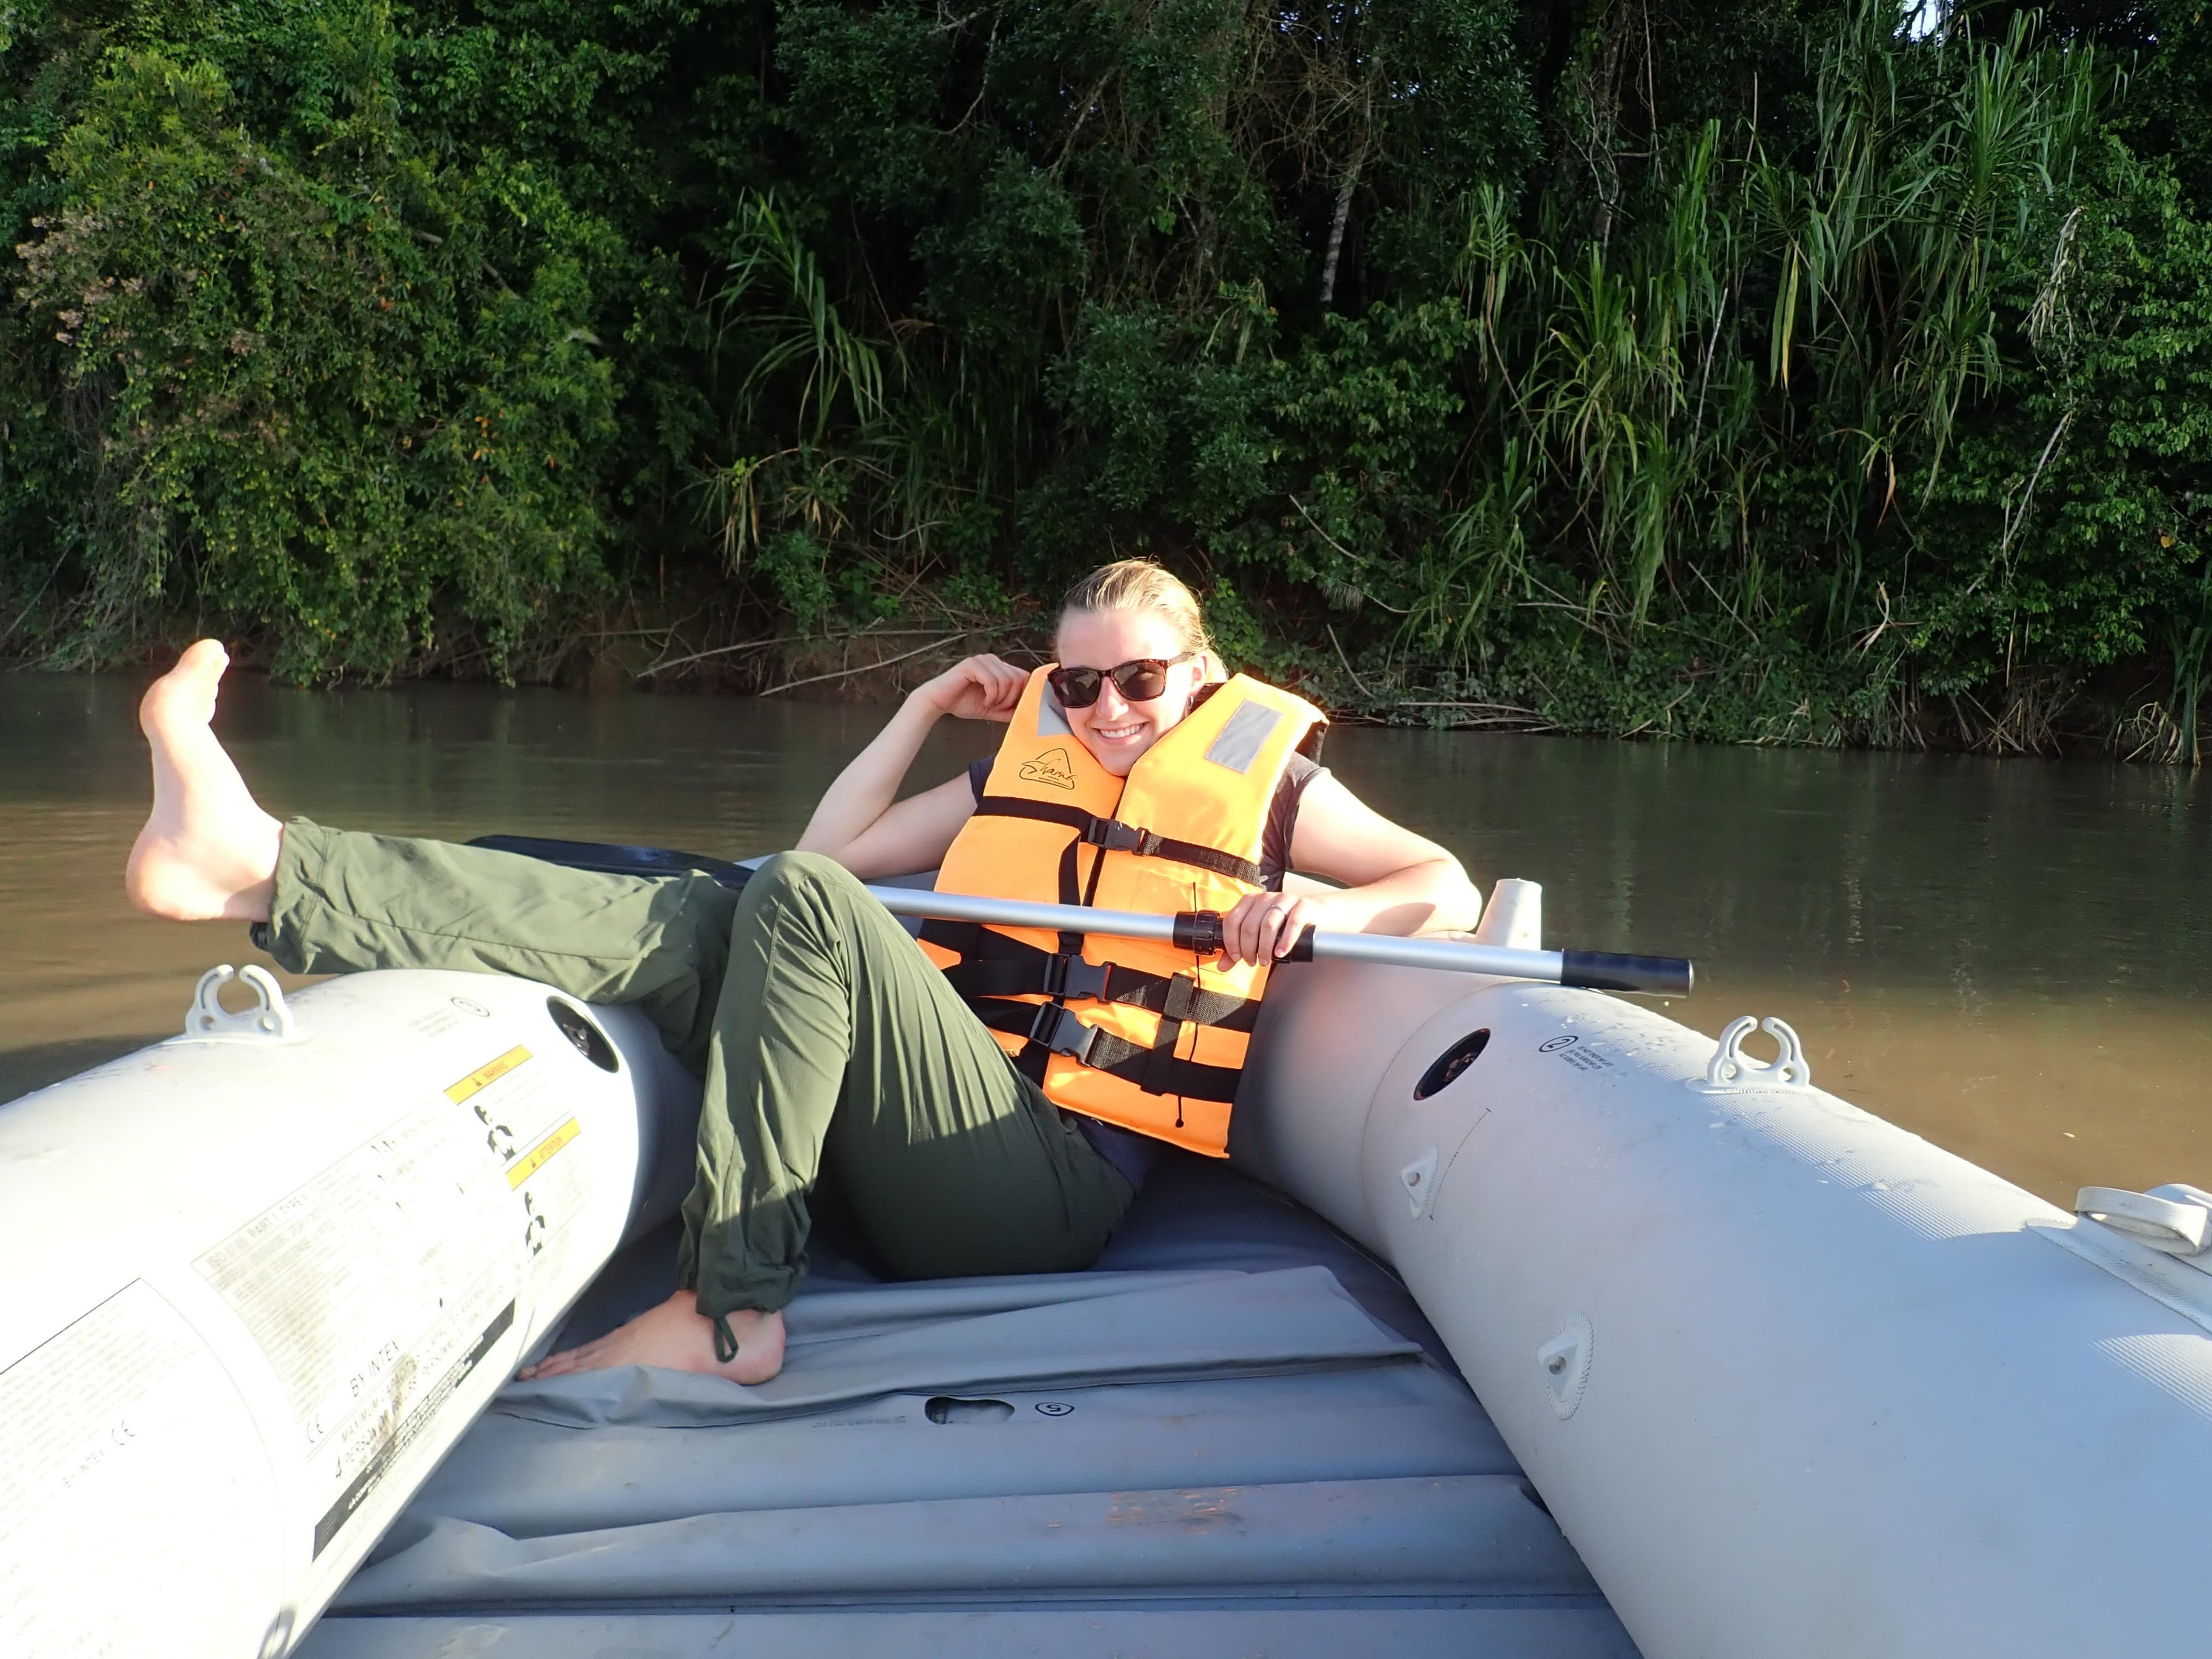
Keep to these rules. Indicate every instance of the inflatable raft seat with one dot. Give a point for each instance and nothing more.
(1237, 1433)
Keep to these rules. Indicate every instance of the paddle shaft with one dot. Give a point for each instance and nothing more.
(1199, 932)
(1196, 931)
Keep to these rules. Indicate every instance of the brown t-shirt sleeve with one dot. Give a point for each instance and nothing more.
(1283, 817)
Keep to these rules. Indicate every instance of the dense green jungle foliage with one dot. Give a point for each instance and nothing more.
(1776, 370)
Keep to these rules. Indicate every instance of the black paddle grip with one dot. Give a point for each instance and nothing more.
(1199, 931)
(1602, 970)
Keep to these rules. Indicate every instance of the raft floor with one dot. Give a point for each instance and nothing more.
(1236, 1434)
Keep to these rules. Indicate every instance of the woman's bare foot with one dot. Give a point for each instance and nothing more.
(208, 851)
(677, 1337)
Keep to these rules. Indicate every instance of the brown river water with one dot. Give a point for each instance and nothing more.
(2011, 957)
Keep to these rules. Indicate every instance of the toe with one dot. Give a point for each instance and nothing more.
(204, 657)
(553, 1365)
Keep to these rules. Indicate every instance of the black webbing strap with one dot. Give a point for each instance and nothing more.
(993, 965)
(1115, 837)
(1052, 1030)
(965, 939)
(1189, 1005)
(1186, 1005)
(1033, 1057)
(1160, 1062)
(1071, 892)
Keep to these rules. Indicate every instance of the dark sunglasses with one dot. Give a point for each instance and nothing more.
(1140, 680)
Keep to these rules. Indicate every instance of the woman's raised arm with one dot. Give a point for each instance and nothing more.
(860, 823)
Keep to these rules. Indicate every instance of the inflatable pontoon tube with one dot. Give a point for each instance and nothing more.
(1792, 1379)
(260, 1277)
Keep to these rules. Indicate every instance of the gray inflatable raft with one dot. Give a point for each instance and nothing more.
(1791, 1379)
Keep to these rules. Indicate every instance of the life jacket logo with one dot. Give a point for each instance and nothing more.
(1053, 768)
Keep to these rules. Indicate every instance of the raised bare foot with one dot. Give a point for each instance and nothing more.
(208, 851)
(677, 1337)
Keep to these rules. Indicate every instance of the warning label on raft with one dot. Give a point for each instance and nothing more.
(374, 1290)
(527, 1120)
(112, 1432)
(536, 1157)
(386, 1448)
(484, 1075)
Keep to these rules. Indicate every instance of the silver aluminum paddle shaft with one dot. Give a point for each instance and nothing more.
(1196, 931)
(1200, 931)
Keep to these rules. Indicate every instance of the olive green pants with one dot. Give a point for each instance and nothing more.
(830, 1048)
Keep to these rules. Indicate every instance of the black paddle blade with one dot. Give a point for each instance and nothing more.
(612, 860)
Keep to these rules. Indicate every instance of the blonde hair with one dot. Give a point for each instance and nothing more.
(1140, 585)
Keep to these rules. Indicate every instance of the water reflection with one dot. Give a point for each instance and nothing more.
(2011, 957)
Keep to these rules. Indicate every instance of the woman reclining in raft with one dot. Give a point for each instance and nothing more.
(1132, 776)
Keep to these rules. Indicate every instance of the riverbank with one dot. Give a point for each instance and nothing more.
(1684, 684)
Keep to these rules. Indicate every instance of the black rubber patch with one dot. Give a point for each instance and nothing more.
(948, 1408)
(577, 1026)
(1451, 1063)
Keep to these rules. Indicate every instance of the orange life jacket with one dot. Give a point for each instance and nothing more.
(1134, 1032)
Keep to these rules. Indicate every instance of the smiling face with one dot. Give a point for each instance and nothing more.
(1115, 730)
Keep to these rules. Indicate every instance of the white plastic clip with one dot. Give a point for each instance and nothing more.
(1732, 1069)
(1565, 1360)
(270, 1020)
(1419, 1178)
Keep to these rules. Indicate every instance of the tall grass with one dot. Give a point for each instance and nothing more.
(1742, 314)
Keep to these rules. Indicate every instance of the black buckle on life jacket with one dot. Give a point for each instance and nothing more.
(1116, 837)
(1071, 977)
(1057, 1029)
